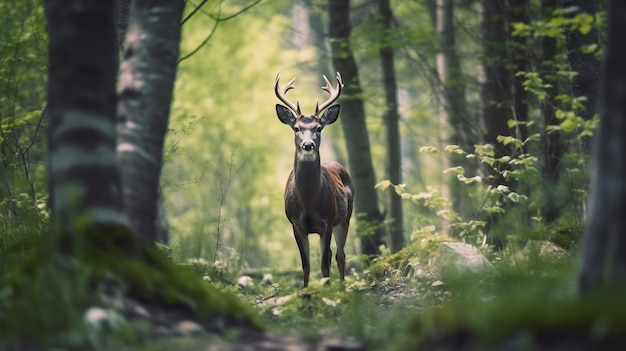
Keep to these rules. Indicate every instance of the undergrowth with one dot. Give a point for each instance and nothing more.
(44, 299)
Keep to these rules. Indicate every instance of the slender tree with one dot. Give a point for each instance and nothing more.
(145, 88)
(585, 64)
(456, 127)
(603, 256)
(391, 118)
(552, 143)
(497, 82)
(519, 14)
(352, 118)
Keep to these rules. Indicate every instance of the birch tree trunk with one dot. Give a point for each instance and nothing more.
(603, 256)
(84, 180)
(369, 218)
(145, 89)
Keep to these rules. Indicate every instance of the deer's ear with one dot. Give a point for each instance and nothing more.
(330, 115)
(285, 115)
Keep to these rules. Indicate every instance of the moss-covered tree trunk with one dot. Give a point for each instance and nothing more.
(145, 91)
(369, 218)
(84, 180)
(603, 256)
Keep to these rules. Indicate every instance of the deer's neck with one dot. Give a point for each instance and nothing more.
(307, 177)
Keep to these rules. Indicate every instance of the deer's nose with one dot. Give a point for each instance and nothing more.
(308, 146)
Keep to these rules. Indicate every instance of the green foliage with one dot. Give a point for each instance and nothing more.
(23, 187)
(525, 317)
(44, 298)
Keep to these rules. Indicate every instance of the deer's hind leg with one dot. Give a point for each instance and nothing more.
(341, 235)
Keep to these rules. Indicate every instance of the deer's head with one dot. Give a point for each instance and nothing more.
(307, 129)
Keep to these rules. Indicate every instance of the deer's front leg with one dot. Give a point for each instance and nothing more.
(326, 253)
(302, 239)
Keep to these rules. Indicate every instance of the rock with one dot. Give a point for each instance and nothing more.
(96, 316)
(459, 259)
(542, 247)
(268, 279)
(188, 328)
(245, 281)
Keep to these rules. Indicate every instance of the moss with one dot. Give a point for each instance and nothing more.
(564, 235)
(473, 324)
(46, 295)
(421, 249)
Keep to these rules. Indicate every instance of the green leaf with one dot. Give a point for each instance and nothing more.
(493, 210)
(454, 149)
(489, 160)
(569, 124)
(485, 150)
(383, 184)
(455, 170)
(501, 189)
(515, 197)
(429, 150)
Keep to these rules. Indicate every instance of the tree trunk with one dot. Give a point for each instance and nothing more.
(84, 180)
(586, 65)
(496, 86)
(518, 13)
(368, 215)
(552, 143)
(145, 92)
(456, 127)
(603, 256)
(122, 10)
(391, 118)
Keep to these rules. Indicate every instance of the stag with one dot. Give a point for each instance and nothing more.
(319, 195)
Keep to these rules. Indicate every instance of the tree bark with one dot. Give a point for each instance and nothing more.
(603, 256)
(586, 65)
(145, 90)
(368, 215)
(391, 118)
(552, 143)
(496, 86)
(84, 180)
(122, 10)
(456, 127)
(518, 13)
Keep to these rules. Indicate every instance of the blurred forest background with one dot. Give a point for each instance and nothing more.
(494, 103)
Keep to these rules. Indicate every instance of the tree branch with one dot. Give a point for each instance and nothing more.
(217, 20)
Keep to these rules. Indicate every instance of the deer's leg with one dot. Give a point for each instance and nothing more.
(326, 253)
(341, 234)
(303, 245)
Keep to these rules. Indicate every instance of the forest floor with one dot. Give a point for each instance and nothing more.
(388, 311)
(179, 330)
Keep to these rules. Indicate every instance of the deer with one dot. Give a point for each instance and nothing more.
(319, 195)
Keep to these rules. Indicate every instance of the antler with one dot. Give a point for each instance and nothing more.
(280, 93)
(334, 94)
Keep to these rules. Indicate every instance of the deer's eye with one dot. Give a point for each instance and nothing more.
(319, 129)
(296, 129)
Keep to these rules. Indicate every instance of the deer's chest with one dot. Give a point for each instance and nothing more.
(312, 217)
